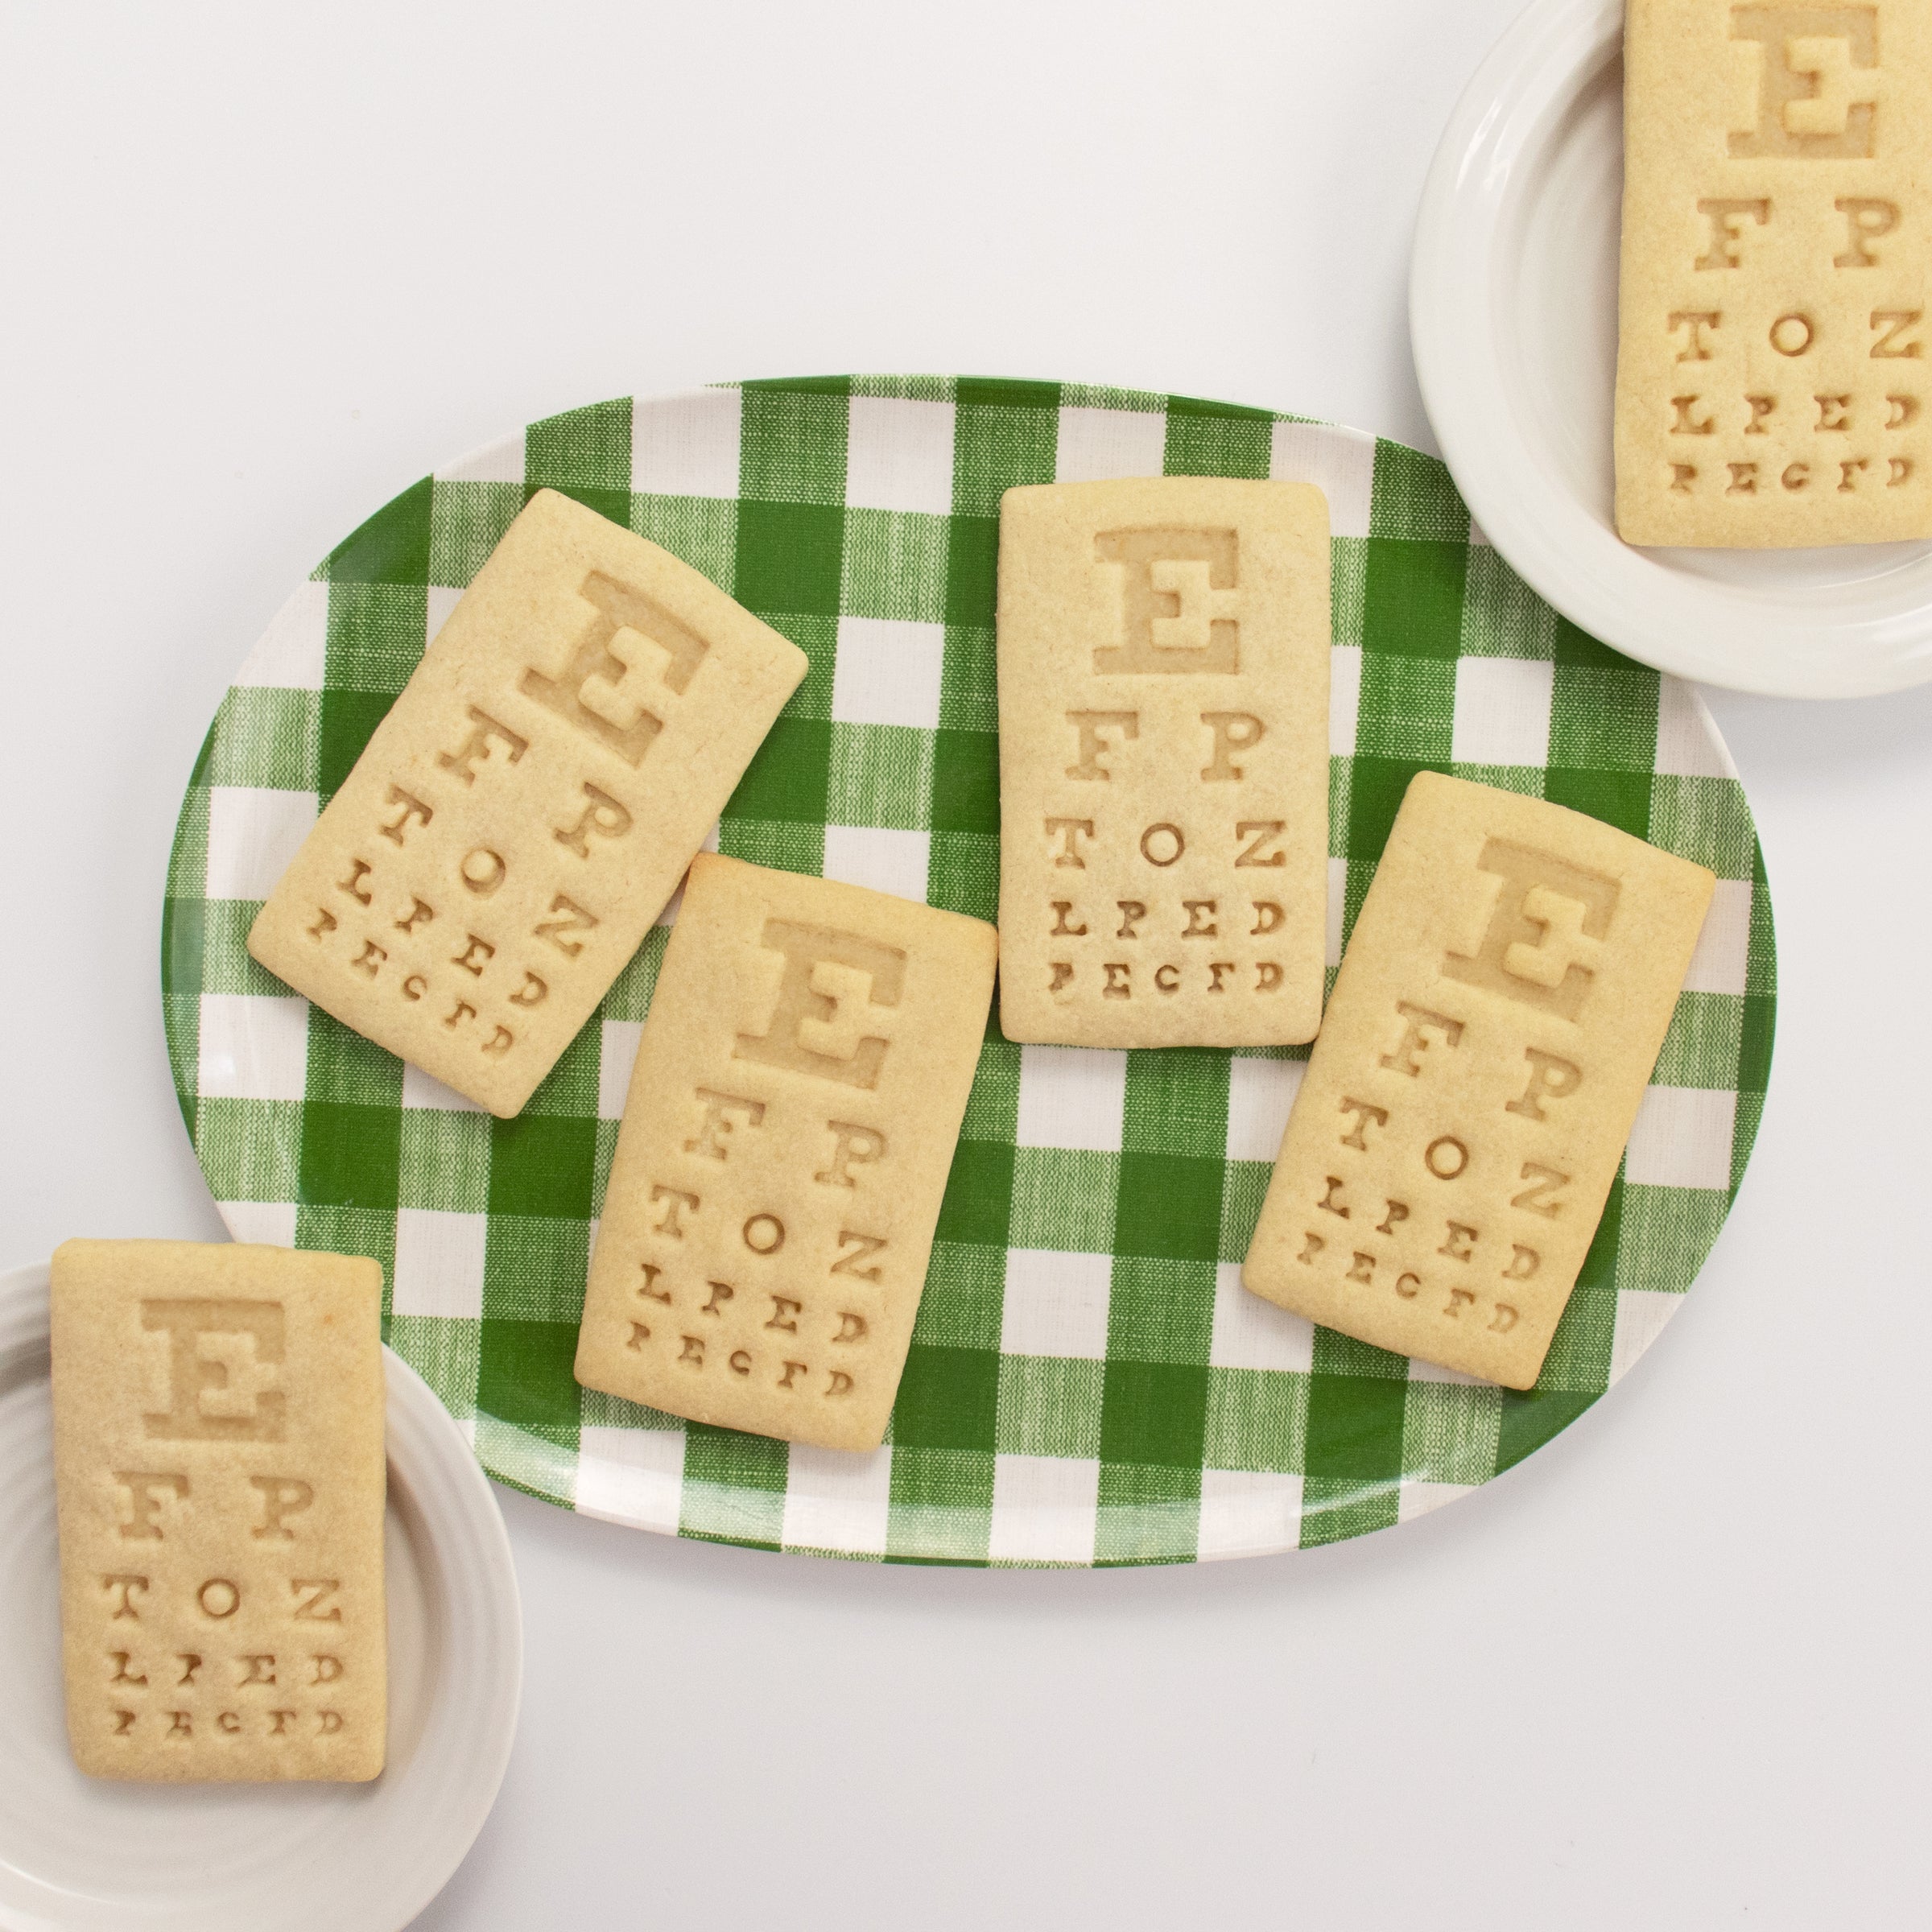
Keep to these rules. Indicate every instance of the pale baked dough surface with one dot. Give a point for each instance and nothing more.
(1772, 362)
(1502, 1002)
(1163, 673)
(527, 806)
(218, 1453)
(786, 1138)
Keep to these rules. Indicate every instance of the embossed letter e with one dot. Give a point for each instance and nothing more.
(811, 1011)
(597, 692)
(1516, 957)
(1177, 600)
(1817, 81)
(206, 1401)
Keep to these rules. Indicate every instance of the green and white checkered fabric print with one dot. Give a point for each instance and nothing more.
(1088, 1382)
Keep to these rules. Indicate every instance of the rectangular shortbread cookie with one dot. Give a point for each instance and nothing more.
(1503, 997)
(1771, 385)
(1163, 669)
(218, 1457)
(790, 1122)
(527, 806)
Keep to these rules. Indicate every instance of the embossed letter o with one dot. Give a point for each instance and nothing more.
(1147, 839)
(482, 871)
(764, 1234)
(225, 1593)
(1441, 1152)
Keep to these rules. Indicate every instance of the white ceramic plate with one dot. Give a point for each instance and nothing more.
(1513, 311)
(75, 1851)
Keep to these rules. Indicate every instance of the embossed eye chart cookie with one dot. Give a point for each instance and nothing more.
(1163, 683)
(526, 809)
(1771, 386)
(1501, 1004)
(792, 1114)
(218, 1450)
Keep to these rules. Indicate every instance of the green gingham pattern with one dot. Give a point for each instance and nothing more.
(1088, 1382)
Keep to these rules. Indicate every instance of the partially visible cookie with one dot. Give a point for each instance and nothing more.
(1771, 385)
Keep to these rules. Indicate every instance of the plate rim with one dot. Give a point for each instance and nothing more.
(466, 1547)
(1714, 633)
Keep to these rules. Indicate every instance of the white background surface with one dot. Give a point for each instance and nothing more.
(262, 266)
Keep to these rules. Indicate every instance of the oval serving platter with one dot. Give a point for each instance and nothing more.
(1088, 1382)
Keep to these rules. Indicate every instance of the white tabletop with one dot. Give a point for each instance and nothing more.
(265, 266)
